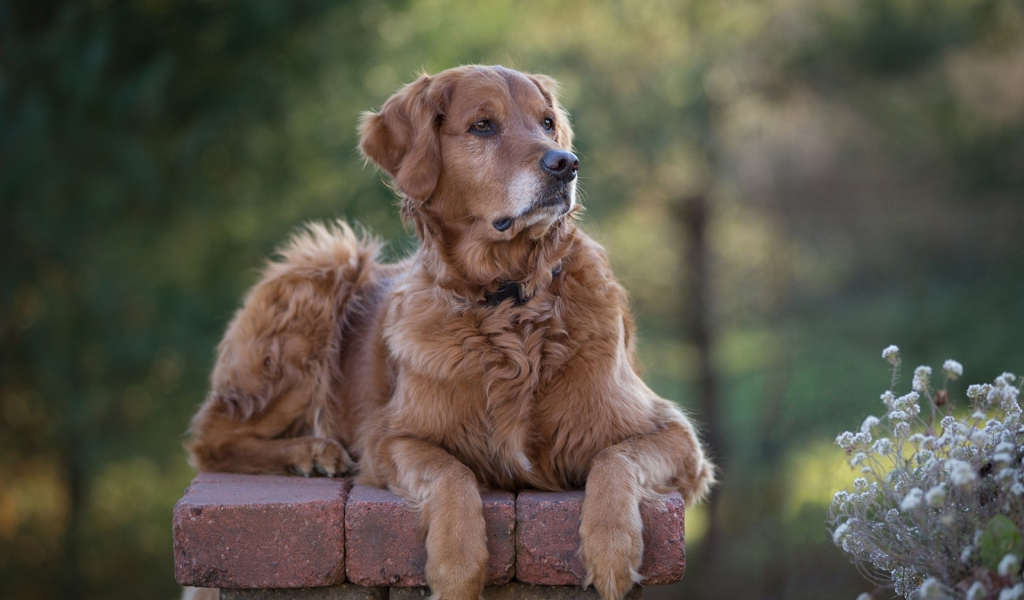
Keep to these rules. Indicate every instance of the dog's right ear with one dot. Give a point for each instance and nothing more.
(403, 138)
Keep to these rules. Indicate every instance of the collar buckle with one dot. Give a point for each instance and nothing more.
(511, 289)
(515, 290)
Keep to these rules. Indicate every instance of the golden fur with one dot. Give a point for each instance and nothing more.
(402, 373)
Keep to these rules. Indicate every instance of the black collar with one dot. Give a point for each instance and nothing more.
(514, 290)
(511, 289)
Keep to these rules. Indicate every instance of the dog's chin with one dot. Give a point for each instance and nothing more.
(543, 217)
(547, 210)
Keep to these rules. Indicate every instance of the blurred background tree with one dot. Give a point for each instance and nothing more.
(860, 164)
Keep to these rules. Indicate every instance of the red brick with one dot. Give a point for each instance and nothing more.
(385, 545)
(664, 559)
(548, 539)
(260, 531)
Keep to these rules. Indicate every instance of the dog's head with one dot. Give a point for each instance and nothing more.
(482, 157)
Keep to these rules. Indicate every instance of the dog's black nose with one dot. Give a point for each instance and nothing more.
(560, 164)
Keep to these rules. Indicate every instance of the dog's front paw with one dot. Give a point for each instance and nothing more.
(457, 557)
(611, 546)
(321, 457)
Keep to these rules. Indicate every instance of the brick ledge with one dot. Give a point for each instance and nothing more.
(264, 531)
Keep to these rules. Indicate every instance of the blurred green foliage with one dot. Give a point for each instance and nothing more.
(865, 159)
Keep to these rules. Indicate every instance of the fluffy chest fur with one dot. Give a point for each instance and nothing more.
(489, 365)
(500, 376)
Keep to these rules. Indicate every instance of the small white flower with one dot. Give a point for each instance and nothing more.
(901, 429)
(882, 446)
(1017, 488)
(841, 532)
(898, 415)
(1002, 457)
(931, 588)
(839, 499)
(1006, 397)
(953, 369)
(860, 484)
(888, 399)
(1005, 379)
(960, 472)
(864, 596)
(976, 591)
(845, 440)
(858, 458)
(1009, 565)
(948, 423)
(868, 423)
(891, 354)
(907, 401)
(936, 496)
(862, 438)
(980, 437)
(912, 500)
(922, 375)
(978, 416)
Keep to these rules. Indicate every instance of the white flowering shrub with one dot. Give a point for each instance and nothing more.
(939, 509)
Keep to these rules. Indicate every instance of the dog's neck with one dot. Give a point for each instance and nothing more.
(517, 269)
(514, 290)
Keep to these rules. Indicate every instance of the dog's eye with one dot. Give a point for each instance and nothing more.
(482, 126)
(549, 124)
(266, 362)
(503, 224)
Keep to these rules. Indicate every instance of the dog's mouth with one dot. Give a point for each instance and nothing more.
(557, 200)
(551, 200)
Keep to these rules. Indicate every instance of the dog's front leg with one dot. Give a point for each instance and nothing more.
(446, 493)
(611, 528)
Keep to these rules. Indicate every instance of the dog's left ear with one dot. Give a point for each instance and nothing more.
(549, 89)
(403, 139)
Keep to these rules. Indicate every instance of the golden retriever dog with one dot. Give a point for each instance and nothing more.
(499, 356)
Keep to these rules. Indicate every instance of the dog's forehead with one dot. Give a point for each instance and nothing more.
(495, 91)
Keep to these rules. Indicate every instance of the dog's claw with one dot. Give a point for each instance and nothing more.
(319, 470)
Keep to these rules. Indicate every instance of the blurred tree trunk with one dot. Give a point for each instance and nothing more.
(691, 217)
(72, 582)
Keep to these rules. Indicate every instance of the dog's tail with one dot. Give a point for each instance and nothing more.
(308, 289)
(305, 298)
(330, 251)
